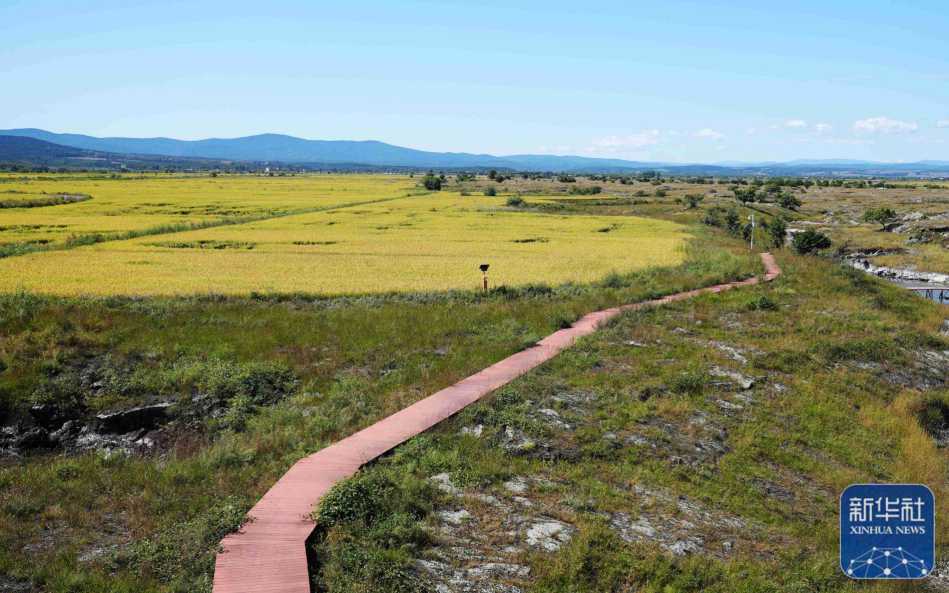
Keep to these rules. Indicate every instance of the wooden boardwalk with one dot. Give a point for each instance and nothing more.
(268, 554)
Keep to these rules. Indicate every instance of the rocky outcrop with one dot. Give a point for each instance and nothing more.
(898, 274)
(140, 418)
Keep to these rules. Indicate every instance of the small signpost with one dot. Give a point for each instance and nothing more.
(484, 275)
(887, 531)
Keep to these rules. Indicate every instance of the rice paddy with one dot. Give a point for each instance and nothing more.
(395, 239)
(124, 204)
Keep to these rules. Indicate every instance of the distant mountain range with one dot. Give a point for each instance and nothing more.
(77, 150)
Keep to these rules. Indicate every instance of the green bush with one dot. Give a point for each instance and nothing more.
(789, 201)
(431, 182)
(362, 498)
(490, 191)
(777, 231)
(516, 201)
(810, 241)
(880, 215)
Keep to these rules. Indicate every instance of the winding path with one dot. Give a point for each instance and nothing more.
(268, 554)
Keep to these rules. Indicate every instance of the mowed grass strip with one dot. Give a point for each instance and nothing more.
(422, 243)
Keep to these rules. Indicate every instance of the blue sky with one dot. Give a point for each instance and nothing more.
(673, 81)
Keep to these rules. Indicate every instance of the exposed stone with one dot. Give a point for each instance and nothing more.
(516, 485)
(443, 482)
(474, 431)
(50, 416)
(732, 352)
(143, 417)
(454, 517)
(500, 569)
(741, 380)
(549, 534)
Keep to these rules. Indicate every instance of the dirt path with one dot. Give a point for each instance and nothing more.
(269, 553)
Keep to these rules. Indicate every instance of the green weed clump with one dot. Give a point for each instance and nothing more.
(182, 554)
(369, 532)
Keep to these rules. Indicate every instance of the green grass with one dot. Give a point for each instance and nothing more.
(293, 373)
(821, 419)
(337, 354)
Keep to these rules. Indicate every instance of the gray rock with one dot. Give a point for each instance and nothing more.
(549, 534)
(474, 431)
(443, 482)
(516, 485)
(742, 381)
(454, 517)
(500, 569)
(143, 417)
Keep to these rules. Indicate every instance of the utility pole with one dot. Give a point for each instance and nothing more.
(752, 217)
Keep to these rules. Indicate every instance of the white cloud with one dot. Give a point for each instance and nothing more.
(709, 134)
(631, 142)
(943, 123)
(795, 123)
(822, 128)
(884, 125)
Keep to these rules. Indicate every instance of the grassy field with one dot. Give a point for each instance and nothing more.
(422, 243)
(641, 426)
(109, 521)
(660, 468)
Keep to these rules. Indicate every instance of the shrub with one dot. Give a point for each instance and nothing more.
(490, 191)
(431, 182)
(789, 201)
(777, 231)
(359, 499)
(810, 241)
(586, 191)
(762, 303)
(880, 216)
(692, 201)
(732, 221)
(690, 382)
(515, 201)
(745, 195)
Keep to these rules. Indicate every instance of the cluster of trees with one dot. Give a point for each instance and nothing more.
(495, 176)
(586, 190)
(770, 193)
(809, 241)
(431, 182)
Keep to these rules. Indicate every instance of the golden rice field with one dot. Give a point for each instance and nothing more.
(135, 203)
(413, 243)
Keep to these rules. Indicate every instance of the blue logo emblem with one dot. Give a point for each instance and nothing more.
(887, 531)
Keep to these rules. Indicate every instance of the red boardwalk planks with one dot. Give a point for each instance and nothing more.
(268, 554)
